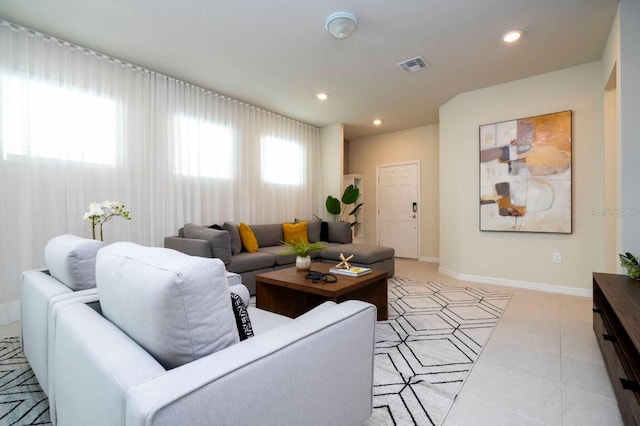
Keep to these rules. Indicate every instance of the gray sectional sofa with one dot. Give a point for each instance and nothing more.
(224, 243)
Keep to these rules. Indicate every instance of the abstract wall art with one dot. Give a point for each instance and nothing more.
(525, 174)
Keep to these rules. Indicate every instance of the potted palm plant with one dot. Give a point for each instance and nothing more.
(303, 250)
(338, 207)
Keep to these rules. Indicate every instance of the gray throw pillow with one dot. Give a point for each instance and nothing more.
(219, 240)
(340, 232)
(234, 236)
(313, 229)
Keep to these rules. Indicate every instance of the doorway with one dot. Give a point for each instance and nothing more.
(398, 197)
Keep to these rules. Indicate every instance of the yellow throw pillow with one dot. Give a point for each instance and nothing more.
(248, 238)
(294, 232)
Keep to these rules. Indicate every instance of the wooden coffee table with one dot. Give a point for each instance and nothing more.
(288, 292)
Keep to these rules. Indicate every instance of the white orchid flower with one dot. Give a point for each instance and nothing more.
(99, 213)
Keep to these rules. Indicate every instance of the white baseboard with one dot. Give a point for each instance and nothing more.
(9, 312)
(429, 259)
(549, 288)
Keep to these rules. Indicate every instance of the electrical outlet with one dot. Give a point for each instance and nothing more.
(557, 257)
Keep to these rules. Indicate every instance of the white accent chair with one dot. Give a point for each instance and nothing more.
(161, 350)
(70, 278)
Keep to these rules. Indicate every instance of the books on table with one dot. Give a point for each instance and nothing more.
(351, 272)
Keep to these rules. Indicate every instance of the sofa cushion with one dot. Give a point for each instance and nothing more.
(314, 227)
(362, 253)
(72, 260)
(268, 235)
(177, 307)
(280, 259)
(245, 262)
(234, 236)
(339, 232)
(263, 321)
(294, 232)
(219, 240)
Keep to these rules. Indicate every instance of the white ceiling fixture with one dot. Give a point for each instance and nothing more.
(322, 96)
(414, 64)
(511, 36)
(377, 122)
(341, 24)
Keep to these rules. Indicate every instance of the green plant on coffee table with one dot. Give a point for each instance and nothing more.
(302, 248)
(337, 207)
(632, 264)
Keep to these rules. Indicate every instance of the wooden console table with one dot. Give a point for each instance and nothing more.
(616, 323)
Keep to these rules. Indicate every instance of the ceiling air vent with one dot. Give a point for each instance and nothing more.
(414, 64)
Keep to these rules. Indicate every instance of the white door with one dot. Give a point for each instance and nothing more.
(398, 208)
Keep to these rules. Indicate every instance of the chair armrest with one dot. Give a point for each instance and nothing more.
(36, 291)
(189, 246)
(312, 370)
(95, 364)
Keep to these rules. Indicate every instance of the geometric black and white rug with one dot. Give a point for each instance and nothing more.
(22, 401)
(424, 352)
(426, 349)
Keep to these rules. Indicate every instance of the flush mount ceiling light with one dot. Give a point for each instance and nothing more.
(377, 122)
(511, 36)
(322, 96)
(341, 24)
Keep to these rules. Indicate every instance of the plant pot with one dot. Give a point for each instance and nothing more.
(303, 263)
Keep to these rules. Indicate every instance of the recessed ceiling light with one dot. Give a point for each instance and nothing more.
(511, 36)
(377, 122)
(322, 96)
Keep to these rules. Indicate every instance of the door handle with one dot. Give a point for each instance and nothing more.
(415, 207)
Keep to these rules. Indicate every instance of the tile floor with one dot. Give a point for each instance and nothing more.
(542, 365)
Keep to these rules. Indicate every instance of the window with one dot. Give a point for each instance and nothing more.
(281, 161)
(43, 121)
(202, 148)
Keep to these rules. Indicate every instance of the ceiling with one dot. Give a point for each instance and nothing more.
(277, 55)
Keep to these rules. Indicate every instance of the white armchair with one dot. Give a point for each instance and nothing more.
(70, 278)
(120, 367)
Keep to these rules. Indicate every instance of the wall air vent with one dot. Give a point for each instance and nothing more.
(414, 64)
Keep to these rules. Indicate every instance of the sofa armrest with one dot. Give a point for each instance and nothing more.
(189, 246)
(312, 370)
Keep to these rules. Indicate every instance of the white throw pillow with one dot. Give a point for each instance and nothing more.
(72, 260)
(176, 306)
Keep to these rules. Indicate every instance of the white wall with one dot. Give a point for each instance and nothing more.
(622, 58)
(629, 110)
(519, 258)
(418, 143)
(332, 153)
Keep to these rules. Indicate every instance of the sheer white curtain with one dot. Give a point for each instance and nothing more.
(77, 126)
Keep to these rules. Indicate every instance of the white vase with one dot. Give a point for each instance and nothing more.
(303, 263)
